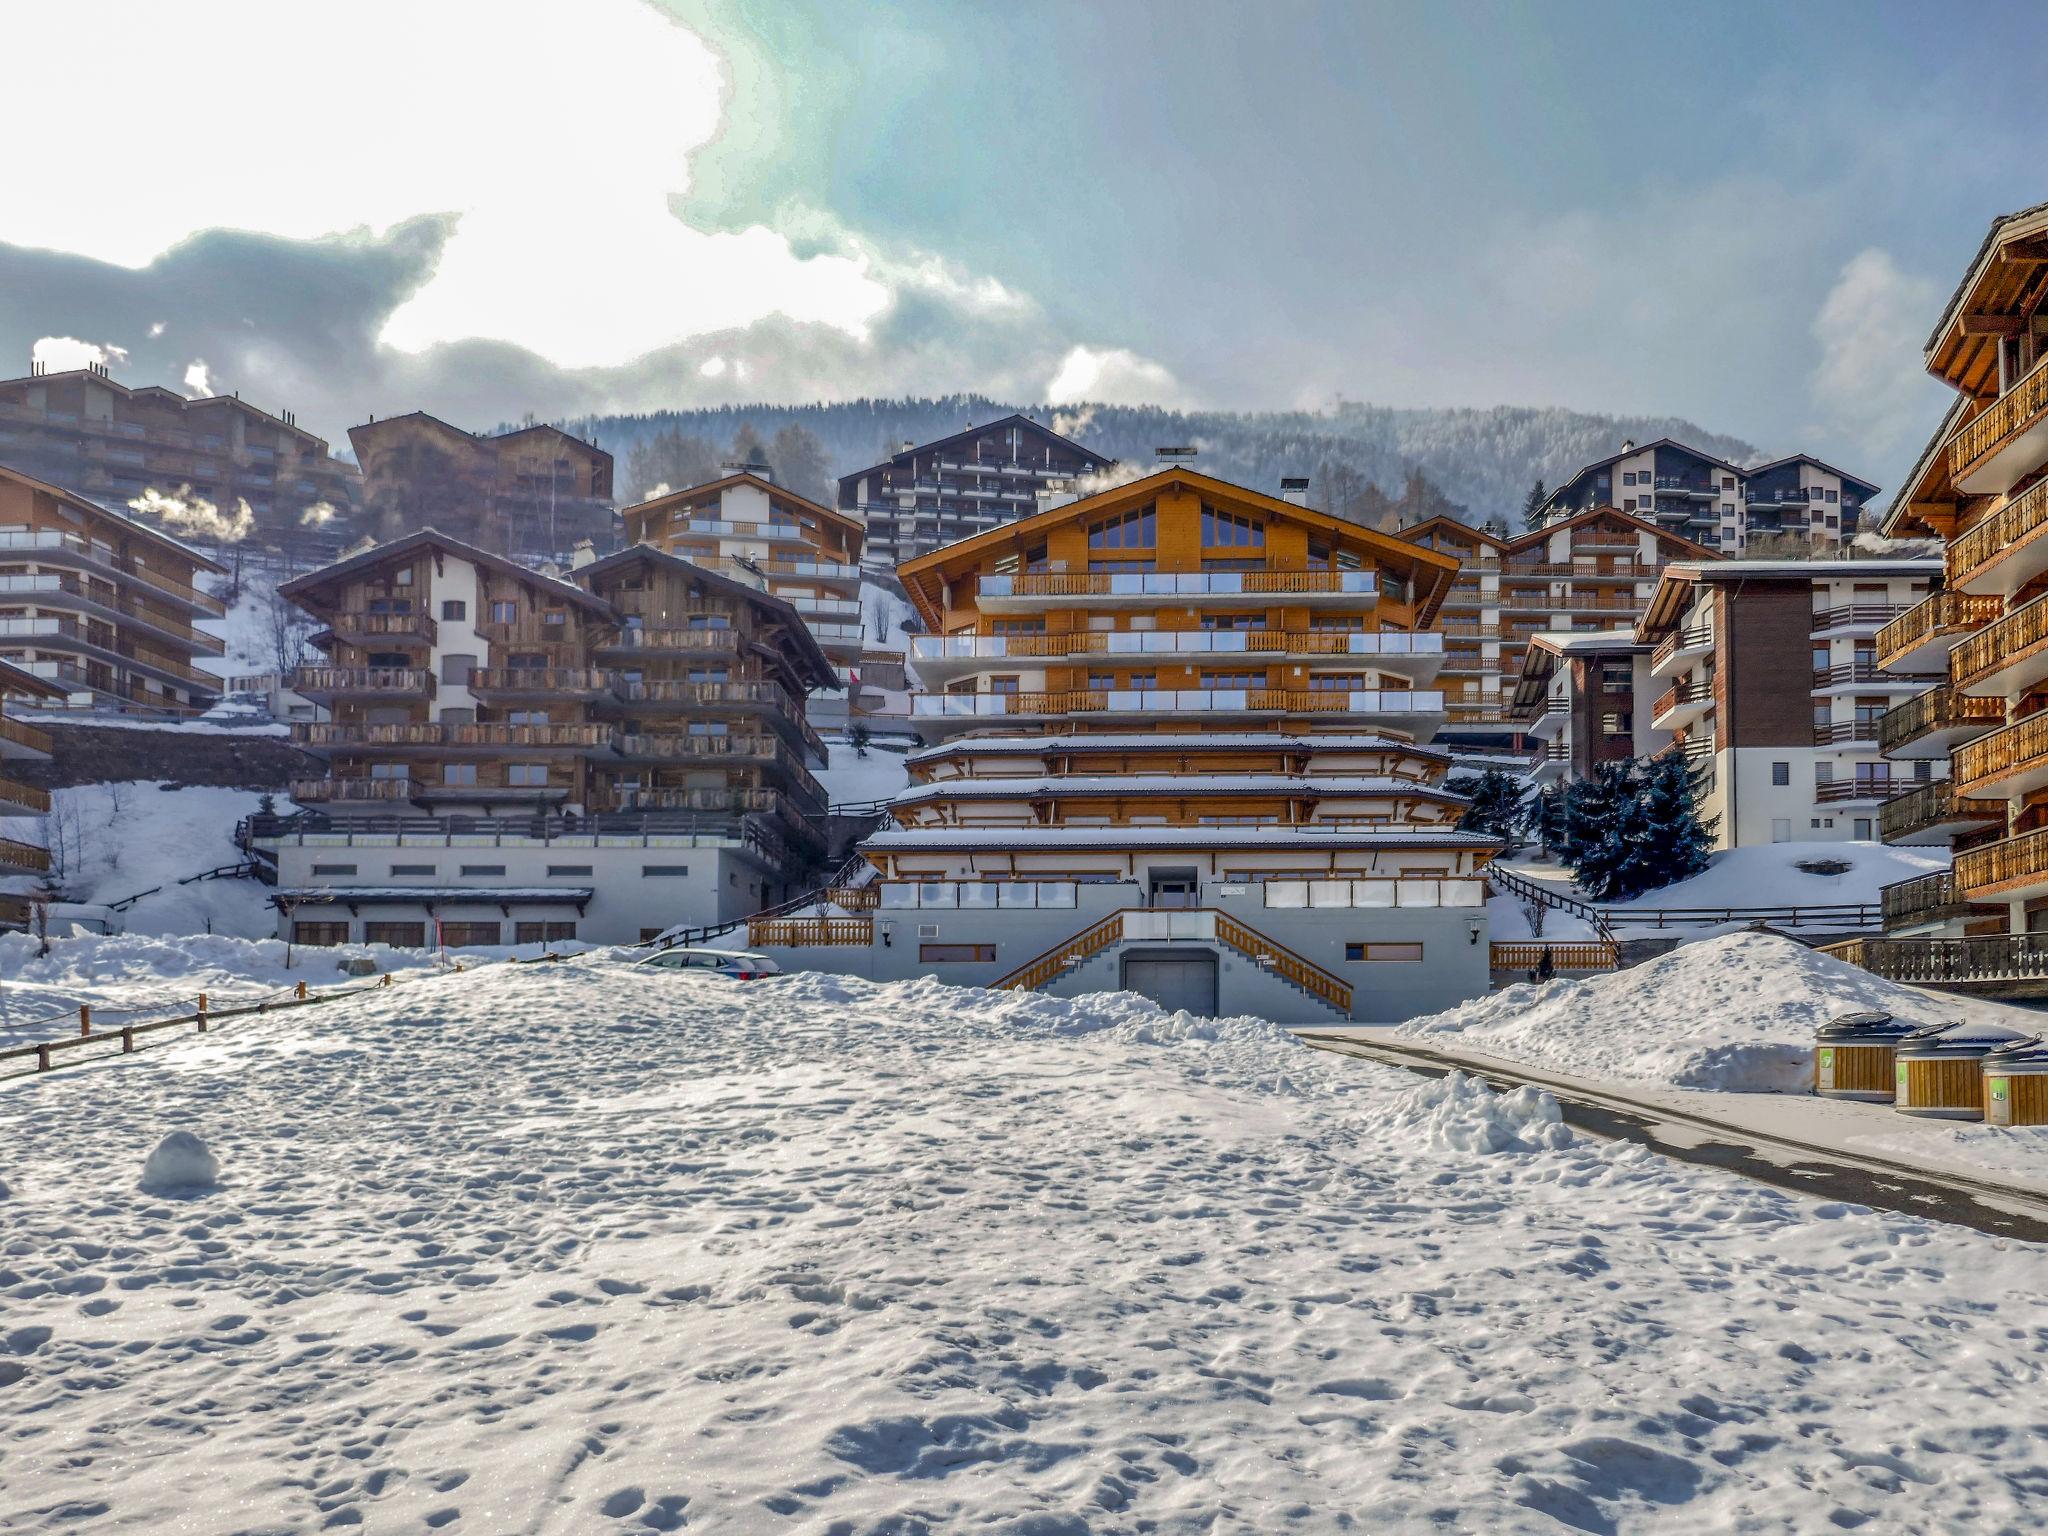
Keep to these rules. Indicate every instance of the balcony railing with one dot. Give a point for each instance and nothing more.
(2023, 744)
(25, 736)
(26, 796)
(1681, 693)
(1694, 638)
(1364, 701)
(1998, 646)
(1939, 709)
(1923, 899)
(1167, 584)
(1936, 962)
(2013, 412)
(1844, 733)
(1984, 872)
(1866, 674)
(634, 638)
(406, 680)
(438, 733)
(316, 791)
(1932, 805)
(24, 856)
(539, 680)
(385, 626)
(1936, 614)
(1236, 642)
(646, 745)
(697, 695)
(1857, 615)
(2015, 523)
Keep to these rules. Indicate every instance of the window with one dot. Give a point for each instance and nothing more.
(565, 871)
(710, 621)
(1404, 954)
(956, 952)
(390, 771)
(455, 610)
(1833, 497)
(469, 935)
(412, 869)
(527, 775)
(542, 933)
(1616, 723)
(1617, 677)
(710, 675)
(402, 578)
(458, 774)
(483, 869)
(1134, 530)
(1232, 680)
(1781, 774)
(554, 616)
(320, 935)
(664, 871)
(504, 612)
(527, 661)
(1227, 530)
(334, 869)
(397, 935)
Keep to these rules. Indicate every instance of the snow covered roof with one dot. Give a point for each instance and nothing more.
(1567, 641)
(1037, 746)
(1047, 839)
(1818, 570)
(431, 895)
(1026, 786)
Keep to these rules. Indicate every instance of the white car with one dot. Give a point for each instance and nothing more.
(740, 964)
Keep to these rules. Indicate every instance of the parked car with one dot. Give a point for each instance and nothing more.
(740, 964)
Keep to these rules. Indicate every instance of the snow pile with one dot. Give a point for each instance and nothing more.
(1736, 1013)
(641, 1250)
(1456, 1113)
(181, 1161)
(1770, 876)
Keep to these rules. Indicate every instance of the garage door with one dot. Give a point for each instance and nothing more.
(1176, 981)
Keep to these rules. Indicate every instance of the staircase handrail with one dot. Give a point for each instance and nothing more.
(1536, 891)
(1098, 936)
(1304, 973)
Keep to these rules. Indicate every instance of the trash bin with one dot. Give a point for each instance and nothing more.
(1939, 1069)
(2016, 1084)
(1852, 1056)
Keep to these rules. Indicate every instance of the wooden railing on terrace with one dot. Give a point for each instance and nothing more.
(37, 800)
(1689, 638)
(1932, 804)
(311, 680)
(1998, 645)
(386, 626)
(1923, 899)
(785, 932)
(1937, 613)
(1578, 956)
(1851, 615)
(2001, 751)
(637, 639)
(24, 855)
(1842, 731)
(536, 680)
(2002, 863)
(1934, 962)
(1172, 584)
(2015, 410)
(2017, 521)
(1682, 693)
(310, 791)
(1284, 963)
(24, 735)
(1091, 940)
(1940, 708)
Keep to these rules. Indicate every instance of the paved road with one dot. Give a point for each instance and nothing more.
(1825, 1173)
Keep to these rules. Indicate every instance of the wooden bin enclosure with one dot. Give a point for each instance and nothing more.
(1940, 1070)
(2016, 1084)
(1853, 1056)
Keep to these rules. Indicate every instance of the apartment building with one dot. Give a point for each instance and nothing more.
(1981, 487)
(1584, 700)
(110, 443)
(936, 493)
(533, 493)
(751, 530)
(1177, 743)
(24, 851)
(1791, 747)
(100, 607)
(1585, 574)
(1713, 502)
(516, 756)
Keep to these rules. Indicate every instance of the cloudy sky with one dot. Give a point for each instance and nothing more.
(1748, 214)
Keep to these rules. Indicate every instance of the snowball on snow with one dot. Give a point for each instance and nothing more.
(180, 1161)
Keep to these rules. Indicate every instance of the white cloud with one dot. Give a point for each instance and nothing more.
(1112, 376)
(1870, 381)
(198, 383)
(62, 354)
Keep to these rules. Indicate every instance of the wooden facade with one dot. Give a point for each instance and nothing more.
(100, 606)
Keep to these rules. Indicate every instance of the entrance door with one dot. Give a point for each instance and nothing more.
(1177, 980)
(1172, 888)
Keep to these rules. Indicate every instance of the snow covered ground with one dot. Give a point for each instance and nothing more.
(574, 1248)
(884, 613)
(850, 779)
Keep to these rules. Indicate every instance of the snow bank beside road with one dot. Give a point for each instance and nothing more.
(1735, 1013)
(617, 1250)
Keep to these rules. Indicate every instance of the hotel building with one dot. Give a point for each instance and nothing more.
(519, 756)
(1177, 743)
(1585, 574)
(936, 493)
(99, 606)
(747, 528)
(1715, 503)
(1786, 762)
(1584, 700)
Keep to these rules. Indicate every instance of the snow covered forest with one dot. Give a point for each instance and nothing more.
(1481, 460)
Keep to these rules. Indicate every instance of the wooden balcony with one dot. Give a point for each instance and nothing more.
(505, 684)
(18, 740)
(1851, 617)
(1933, 815)
(1680, 703)
(363, 682)
(634, 641)
(1152, 589)
(782, 932)
(1924, 635)
(366, 791)
(736, 801)
(2010, 964)
(383, 628)
(440, 736)
(1680, 644)
(1933, 724)
(1847, 734)
(23, 799)
(1176, 702)
(1864, 676)
(23, 858)
(2006, 550)
(2005, 657)
(1863, 790)
(2006, 763)
(2006, 442)
(2012, 869)
(1921, 900)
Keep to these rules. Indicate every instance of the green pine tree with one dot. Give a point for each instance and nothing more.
(1532, 504)
(1496, 806)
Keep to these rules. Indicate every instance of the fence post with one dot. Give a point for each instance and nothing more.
(300, 991)
(85, 1018)
(128, 1040)
(202, 1013)
(43, 1058)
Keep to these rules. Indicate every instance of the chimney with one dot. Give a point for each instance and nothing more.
(907, 446)
(1177, 454)
(1294, 488)
(583, 553)
(1628, 445)
(752, 467)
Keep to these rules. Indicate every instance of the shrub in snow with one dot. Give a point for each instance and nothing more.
(1457, 1113)
(180, 1161)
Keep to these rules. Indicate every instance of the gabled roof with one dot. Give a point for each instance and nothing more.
(1015, 418)
(1628, 453)
(94, 509)
(2012, 286)
(478, 438)
(1843, 475)
(186, 402)
(14, 679)
(1675, 581)
(1537, 535)
(914, 573)
(742, 477)
(1927, 483)
(647, 556)
(1452, 525)
(434, 539)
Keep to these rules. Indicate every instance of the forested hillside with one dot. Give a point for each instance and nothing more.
(1480, 461)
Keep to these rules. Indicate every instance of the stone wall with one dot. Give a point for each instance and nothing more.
(93, 754)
